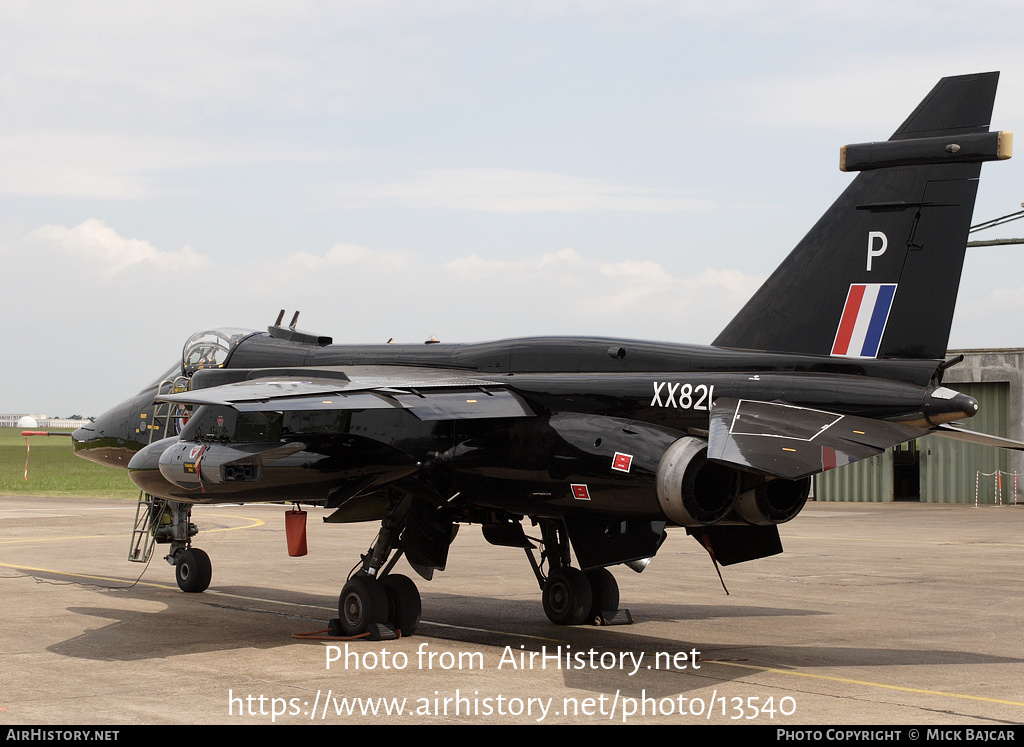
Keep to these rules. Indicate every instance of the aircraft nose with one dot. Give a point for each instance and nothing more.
(87, 436)
(108, 439)
(95, 442)
(82, 436)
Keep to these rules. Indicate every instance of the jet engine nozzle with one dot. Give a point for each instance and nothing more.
(691, 490)
(773, 502)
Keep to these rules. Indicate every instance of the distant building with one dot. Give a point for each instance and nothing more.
(940, 470)
(39, 421)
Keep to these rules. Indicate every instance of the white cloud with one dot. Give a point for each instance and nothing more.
(107, 254)
(144, 301)
(590, 296)
(105, 294)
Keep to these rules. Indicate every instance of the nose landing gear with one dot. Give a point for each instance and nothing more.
(193, 570)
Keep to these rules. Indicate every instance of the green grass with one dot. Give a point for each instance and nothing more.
(53, 469)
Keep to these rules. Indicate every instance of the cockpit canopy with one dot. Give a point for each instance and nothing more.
(212, 348)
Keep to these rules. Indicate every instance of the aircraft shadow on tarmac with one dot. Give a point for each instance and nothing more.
(236, 618)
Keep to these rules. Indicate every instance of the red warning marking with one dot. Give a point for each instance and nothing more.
(622, 462)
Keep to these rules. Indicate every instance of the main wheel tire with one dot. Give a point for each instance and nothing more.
(605, 591)
(567, 596)
(193, 571)
(403, 602)
(362, 603)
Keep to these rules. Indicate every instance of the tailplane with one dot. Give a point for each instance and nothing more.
(877, 276)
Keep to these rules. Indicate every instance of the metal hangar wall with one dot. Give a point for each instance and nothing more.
(941, 470)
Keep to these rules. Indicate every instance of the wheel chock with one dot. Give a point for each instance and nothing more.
(614, 617)
(382, 632)
(375, 632)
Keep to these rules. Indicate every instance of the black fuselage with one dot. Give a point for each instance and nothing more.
(589, 399)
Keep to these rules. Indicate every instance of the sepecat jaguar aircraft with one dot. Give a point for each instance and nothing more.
(601, 443)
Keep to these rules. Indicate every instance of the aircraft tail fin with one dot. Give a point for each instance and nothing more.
(877, 276)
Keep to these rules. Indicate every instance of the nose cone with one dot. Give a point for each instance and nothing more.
(83, 435)
(117, 434)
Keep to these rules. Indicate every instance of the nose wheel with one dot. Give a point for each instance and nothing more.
(170, 522)
(193, 570)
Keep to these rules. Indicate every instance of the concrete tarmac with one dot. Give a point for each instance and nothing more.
(875, 614)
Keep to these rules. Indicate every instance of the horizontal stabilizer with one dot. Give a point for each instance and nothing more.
(792, 442)
(975, 148)
(973, 437)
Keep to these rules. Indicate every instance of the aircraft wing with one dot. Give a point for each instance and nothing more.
(790, 441)
(428, 397)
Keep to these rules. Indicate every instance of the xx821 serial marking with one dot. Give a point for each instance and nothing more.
(682, 396)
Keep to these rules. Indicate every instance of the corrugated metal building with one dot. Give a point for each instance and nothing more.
(941, 470)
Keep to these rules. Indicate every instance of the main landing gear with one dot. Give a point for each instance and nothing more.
(570, 596)
(367, 602)
(374, 600)
(574, 597)
(377, 602)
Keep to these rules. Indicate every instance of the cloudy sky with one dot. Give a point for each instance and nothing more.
(466, 169)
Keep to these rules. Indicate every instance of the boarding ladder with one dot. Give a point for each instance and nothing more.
(152, 512)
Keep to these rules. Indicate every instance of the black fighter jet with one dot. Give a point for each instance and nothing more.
(600, 443)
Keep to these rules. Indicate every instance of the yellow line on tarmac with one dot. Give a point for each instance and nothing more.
(32, 569)
(865, 683)
(58, 539)
(254, 523)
